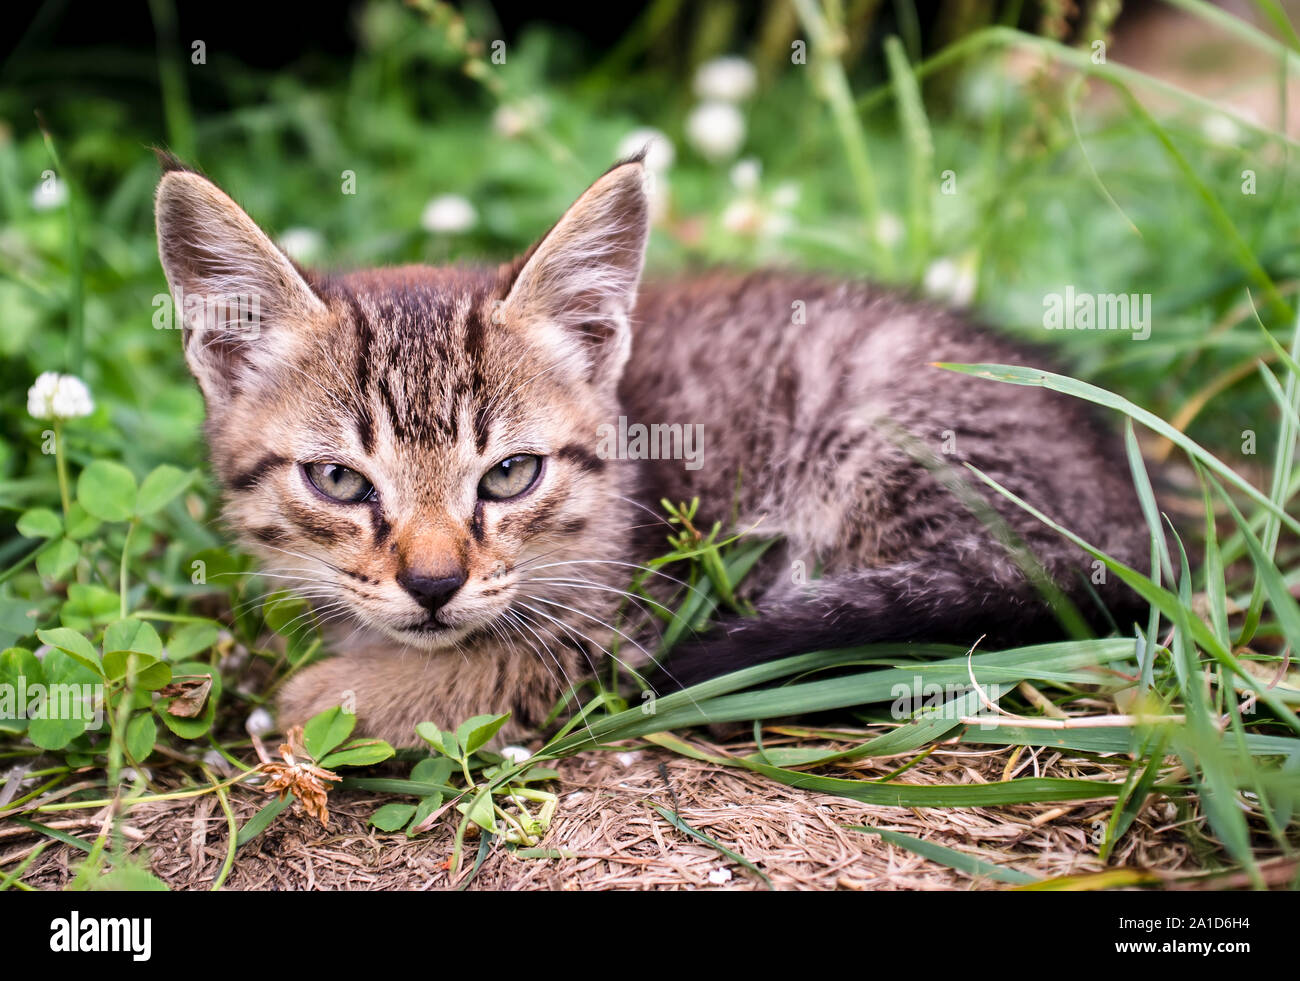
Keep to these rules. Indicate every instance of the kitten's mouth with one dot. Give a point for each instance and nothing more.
(429, 626)
(430, 634)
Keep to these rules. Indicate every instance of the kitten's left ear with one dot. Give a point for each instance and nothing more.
(576, 290)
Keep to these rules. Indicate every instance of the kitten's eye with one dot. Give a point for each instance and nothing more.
(510, 478)
(339, 483)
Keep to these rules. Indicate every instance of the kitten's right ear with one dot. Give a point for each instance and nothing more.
(242, 303)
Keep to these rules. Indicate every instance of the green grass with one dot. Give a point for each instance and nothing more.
(110, 553)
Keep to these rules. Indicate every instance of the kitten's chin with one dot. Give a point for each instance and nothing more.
(428, 639)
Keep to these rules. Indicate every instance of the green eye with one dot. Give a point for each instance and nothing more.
(510, 478)
(339, 483)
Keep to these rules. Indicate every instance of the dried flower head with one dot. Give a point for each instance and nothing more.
(299, 775)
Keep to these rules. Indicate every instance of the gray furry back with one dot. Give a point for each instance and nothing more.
(824, 421)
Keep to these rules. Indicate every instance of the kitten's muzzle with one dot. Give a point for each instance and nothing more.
(431, 592)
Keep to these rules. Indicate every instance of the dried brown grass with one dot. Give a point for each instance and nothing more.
(611, 837)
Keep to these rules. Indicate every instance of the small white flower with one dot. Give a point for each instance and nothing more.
(512, 119)
(786, 194)
(302, 244)
(259, 722)
(216, 761)
(509, 121)
(448, 213)
(660, 152)
(515, 754)
(743, 217)
(1221, 130)
(982, 92)
(49, 194)
(55, 396)
(777, 224)
(720, 877)
(726, 79)
(952, 280)
(889, 229)
(745, 174)
(716, 130)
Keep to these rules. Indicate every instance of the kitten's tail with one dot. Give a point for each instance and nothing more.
(938, 600)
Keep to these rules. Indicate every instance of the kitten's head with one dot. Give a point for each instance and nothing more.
(400, 445)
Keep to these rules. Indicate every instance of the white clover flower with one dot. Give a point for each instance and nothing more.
(660, 152)
(49, 194)
(302, 244)
(746, 173)
(777, 223)
(515, 754)
(748, 215)
(716, 130)
(512, 119)
(726, 79)
(982, 92)
(448, 213)
(951, 280)
(889, 229)
(786, 194)
(720, 877)
(259, 722)
(55, 396)
(744, 216)
(1221, 130)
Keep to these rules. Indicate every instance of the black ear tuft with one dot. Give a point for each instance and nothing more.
(634, 158)
(169, 162)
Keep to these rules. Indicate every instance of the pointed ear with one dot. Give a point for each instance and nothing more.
(577, 288)
(242, 304)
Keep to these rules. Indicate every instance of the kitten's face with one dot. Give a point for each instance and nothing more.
(405, 447)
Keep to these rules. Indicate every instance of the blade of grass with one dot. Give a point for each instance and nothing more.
(1159, 548)
(1215, 584)
(833, 85)
(1168, 603)
(1015, 375)
(1027, 790)
(680, 824)
(975, 867)
(920, 153)
(1289, 402)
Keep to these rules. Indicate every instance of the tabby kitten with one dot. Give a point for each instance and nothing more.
(425, 454)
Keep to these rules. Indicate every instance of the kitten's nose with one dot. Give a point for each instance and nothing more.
(431, 592)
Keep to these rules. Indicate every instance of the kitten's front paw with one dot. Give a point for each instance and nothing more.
(315, 689)
(386, 703)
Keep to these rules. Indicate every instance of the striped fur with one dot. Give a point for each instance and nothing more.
(422, 379)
